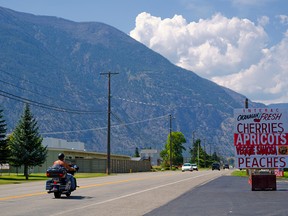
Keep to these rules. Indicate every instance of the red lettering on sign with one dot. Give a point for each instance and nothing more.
(266, 150)
(245, 150)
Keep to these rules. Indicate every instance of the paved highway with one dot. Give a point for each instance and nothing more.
(122, 194)
(155, 193)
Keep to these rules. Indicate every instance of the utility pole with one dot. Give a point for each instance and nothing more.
(192, 147)
(193, 134)
(108, 169)
(248, 171)
(246, 103)
(170, 141)
(198, 155)
(210, 149)
(204, 153)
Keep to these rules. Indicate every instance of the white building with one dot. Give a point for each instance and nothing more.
(151, 154)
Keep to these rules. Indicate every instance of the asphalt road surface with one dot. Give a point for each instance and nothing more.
(154, 193)
(228, 195)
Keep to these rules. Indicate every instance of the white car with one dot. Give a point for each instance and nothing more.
(187, 167)
(194, 167)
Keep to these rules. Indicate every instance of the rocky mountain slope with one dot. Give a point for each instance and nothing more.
(56, 65)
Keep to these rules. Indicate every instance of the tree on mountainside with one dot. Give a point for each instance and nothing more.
(26, 143)
(4, 148)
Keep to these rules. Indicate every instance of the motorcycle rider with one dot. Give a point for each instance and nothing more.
(61, 162)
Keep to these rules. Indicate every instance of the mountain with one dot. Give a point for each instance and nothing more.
(60, 67)
(279, 105)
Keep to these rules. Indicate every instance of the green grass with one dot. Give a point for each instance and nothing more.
(13, 178)
(241, 173)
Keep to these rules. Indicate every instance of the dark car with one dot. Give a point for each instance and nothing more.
(226, 166)
(216, 166)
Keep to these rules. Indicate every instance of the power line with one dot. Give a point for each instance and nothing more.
(45, 106)
(152, 104)
(16, 86)
(141, 121)
(139, 102)
(133, 129)
(74, 131)
(25, 80)
(102, 128)
(34, 85)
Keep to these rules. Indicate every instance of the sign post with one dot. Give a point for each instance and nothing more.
(260, 140)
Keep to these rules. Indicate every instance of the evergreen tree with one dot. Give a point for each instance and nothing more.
(201, 154)
(136, 154)
(194, 151)
(4, 149)
(215, 157)
(26, 143)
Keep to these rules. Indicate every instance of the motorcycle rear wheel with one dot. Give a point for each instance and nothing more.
(68, 194)
(57, 195)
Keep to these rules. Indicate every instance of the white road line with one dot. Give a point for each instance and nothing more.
(128, 195)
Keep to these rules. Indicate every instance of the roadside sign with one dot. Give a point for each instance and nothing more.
(260, 138)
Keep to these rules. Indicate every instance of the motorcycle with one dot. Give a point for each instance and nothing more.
(60, 182)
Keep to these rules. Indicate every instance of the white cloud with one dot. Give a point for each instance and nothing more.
(283, 19)
(267, 80)
(231, 52)
(264, 20)
(205, 46)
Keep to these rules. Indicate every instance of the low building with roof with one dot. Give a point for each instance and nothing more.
(88, 162)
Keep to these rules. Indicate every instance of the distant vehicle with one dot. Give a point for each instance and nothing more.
(194, 167)
(226, 166)
(187, 167)
(216, 166)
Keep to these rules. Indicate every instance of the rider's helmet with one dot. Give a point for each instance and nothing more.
(61, 156)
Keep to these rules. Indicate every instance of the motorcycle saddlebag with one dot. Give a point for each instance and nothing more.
(58, 171)
(49, 184)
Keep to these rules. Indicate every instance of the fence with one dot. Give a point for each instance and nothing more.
(94, 165)
(117, 166)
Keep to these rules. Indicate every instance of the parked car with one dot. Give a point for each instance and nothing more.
(194, 167)
(216, 166)
(226, 166)
(187, 167)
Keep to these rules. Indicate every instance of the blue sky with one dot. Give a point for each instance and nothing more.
(240, 44)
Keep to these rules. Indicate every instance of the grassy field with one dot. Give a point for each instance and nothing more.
(13, 178)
